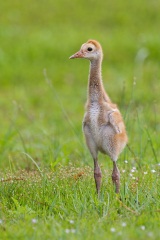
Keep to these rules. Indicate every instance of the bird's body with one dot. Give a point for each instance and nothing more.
(106, 135)
(103, 125)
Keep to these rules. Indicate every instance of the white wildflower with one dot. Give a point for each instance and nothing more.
(145, 173)
(113, 229)
(143, 228)
(71, 221)
(34, 220)
(150, 234)
(124, 224)
(126, 161)
(1, 221)
(67, 230)
(153, 171)
(123, 170)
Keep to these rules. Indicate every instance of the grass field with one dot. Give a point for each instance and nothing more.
(47, 188)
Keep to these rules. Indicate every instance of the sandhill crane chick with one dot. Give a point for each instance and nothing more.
(103, 125)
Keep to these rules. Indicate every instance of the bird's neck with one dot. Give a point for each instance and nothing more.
(95, 84)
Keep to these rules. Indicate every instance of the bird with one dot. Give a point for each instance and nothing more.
(103, 124)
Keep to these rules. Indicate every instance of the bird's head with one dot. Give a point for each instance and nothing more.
(91, 50)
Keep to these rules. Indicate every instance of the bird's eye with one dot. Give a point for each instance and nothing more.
(89, 49)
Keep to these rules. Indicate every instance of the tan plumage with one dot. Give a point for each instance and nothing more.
(103, 124)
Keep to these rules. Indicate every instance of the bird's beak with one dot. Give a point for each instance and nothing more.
(78, 54)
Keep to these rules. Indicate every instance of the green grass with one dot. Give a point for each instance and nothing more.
(47, 188)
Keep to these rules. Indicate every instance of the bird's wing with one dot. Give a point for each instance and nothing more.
(115, 119)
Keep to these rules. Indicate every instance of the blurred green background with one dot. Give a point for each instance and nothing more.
(42, 93)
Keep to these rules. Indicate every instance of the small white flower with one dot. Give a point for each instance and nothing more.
(150, 234)
(153, 171)
(34, 220)
(131, 174)
(123, 170)
(133, 170)
(145, 173)
(158, 164)
(67, 230)
(71, 221)
(124, 224)
(143, 228)
(73, 230)
(125, 161)
(1, 221)
(113, 229)
(133, 178)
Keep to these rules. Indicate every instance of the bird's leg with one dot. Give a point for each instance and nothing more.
(97, 175)
(116, 177)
